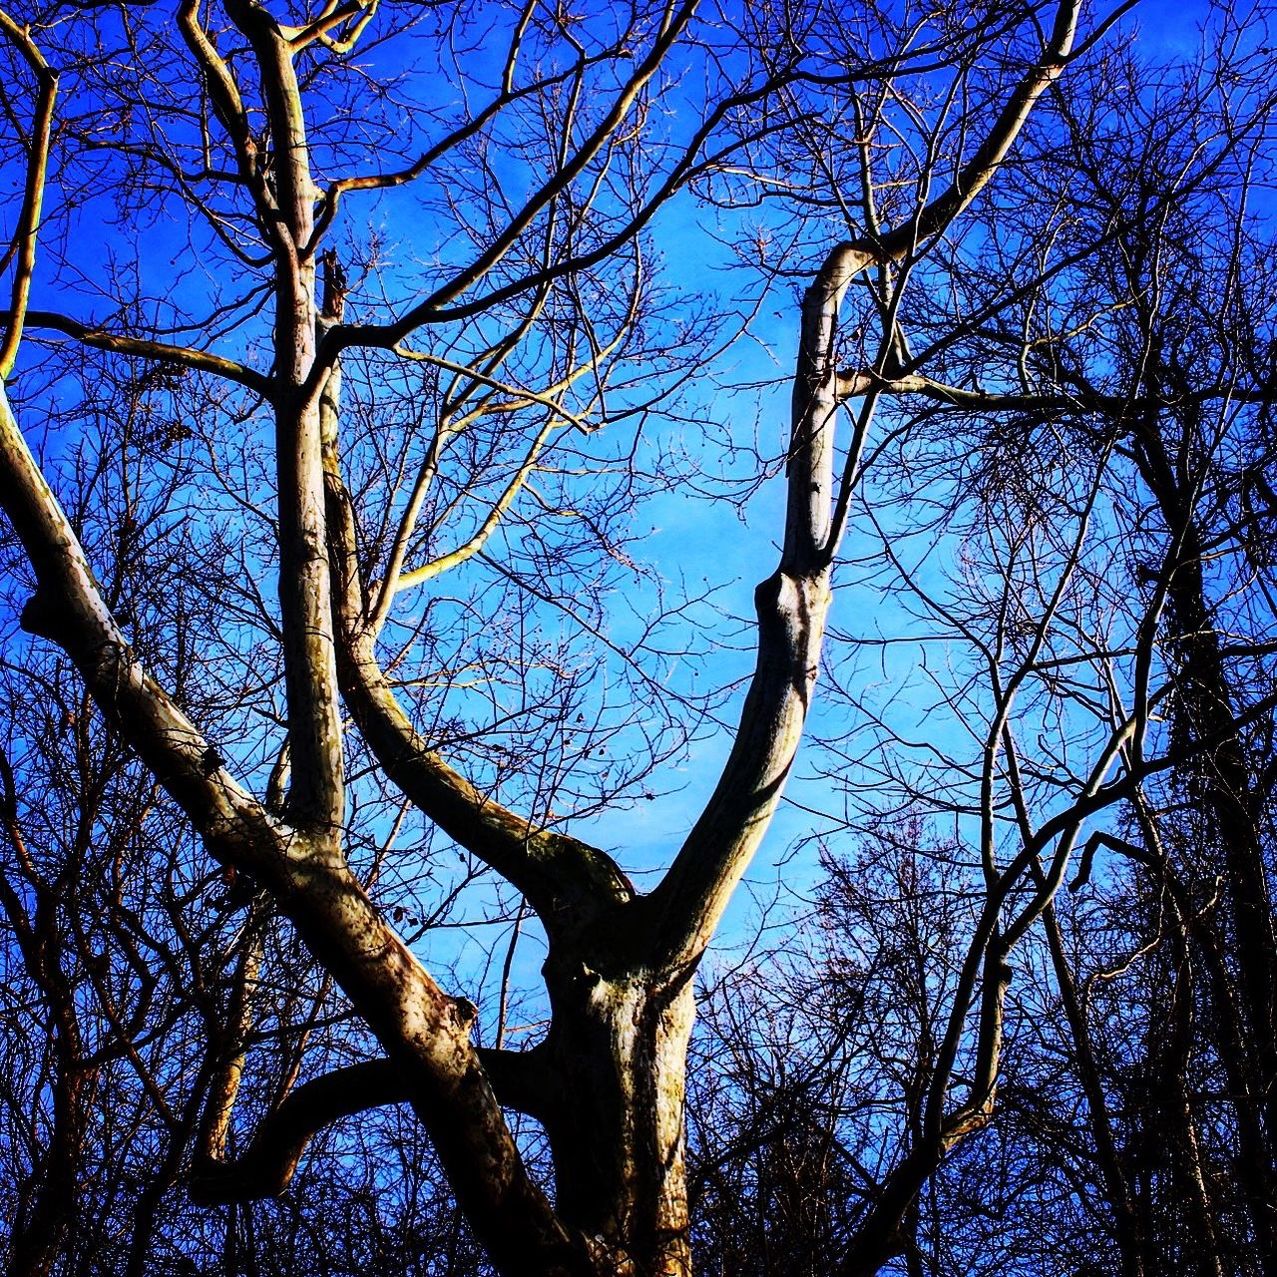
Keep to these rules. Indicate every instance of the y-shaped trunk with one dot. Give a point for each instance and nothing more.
(614, 1116)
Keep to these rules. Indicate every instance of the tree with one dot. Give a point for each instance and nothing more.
(536, 140)
(1183, 285)
(1083, 422)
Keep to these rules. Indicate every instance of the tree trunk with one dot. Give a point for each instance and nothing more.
(1221, 786)
(617, 1054)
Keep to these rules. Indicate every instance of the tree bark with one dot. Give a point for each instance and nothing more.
(617, 1053)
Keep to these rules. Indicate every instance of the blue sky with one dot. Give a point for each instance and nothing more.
(695, 540)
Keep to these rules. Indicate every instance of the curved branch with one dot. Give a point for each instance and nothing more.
(793, 603)
(566, 881)
(267, 1166)
(119, 344)
(548, 397)
(402, 177)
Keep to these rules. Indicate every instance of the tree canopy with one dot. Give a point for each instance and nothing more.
(392, 398)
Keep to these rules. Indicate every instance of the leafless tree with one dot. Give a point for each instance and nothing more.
(1074, 535)
(433, 451)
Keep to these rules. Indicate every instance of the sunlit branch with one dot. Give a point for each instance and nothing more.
(28, 225)
(519, 397)
(454, 558)
(144, 348)
(331, 17)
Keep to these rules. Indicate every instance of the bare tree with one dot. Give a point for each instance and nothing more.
(1083, 430)
(383, 437)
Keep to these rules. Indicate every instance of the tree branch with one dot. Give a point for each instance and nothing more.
(792, 604)
(144, 348)
(566, 881)
(69, 610)
(24, 237)
(853, 383)
(268, 1164)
